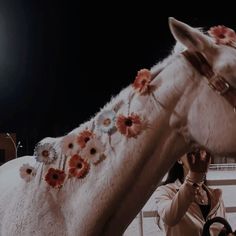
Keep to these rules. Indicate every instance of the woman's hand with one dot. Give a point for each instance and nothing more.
(199, 161)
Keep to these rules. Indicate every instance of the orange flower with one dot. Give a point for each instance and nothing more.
(84, 137)
(55, 177)
(129, 126)
(142, 81)
(78, 167)
(223, 35)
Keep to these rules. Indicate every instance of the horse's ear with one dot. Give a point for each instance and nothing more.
(190, 37)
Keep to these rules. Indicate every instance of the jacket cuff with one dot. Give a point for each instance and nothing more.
(195, 178)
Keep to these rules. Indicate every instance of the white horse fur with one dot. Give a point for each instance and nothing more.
(184, 112)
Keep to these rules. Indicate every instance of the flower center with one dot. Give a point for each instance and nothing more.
(29, 171)
(93, 151)
(128, 122)
(143, 82)
(86, 139)
(45, 153)
(221, 36)
(79, 165)
(55, 176)
(70, 145)
(107, 122)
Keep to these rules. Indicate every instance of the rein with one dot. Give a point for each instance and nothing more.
(219, 84)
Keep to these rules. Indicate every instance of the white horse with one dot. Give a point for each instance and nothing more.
(96, 183)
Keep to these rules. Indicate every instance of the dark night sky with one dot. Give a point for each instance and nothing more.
(53, 54)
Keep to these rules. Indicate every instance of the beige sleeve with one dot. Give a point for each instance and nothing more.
(172, 209)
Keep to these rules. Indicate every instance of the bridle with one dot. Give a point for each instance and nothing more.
(218, 83)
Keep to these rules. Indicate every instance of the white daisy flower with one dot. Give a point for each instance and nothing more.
(69, 146)
(27, 172)
(45, 153)
(106, 121)
(94, 151)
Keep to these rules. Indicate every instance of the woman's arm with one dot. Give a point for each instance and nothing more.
(172, 209)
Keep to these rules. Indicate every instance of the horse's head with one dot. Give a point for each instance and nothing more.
(211, 117)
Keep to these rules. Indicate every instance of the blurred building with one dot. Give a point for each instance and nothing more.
(7, 147)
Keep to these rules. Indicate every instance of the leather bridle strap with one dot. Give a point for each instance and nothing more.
(216, 82)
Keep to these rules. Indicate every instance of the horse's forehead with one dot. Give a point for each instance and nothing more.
(212, 122)
(224, 64)
(225, 60)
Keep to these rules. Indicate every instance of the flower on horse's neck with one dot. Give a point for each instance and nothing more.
(84, 137)
(27, 172)
(69, 146)
(130, 126)
(223, 35)
(106, 121)
(78, 167)
(45, 153)
(55, 177)
(142, 82)
(94, 151)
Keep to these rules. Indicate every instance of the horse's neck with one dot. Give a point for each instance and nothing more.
(108, 194)
(169, 143)
(136, 164)
(145, 183)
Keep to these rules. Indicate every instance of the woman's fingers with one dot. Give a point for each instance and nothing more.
(199, 160)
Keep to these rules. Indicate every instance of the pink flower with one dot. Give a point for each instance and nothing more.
(129, 126)
(223, 35)
(142, 81)
(69, 146)
(55, 177)
(84, 137)
(27, 172)
(78, 167)
(94, 151)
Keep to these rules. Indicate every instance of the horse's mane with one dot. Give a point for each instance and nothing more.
(117, 100)
(177, 49)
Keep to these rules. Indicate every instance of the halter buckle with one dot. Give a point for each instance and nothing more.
(219, 84)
